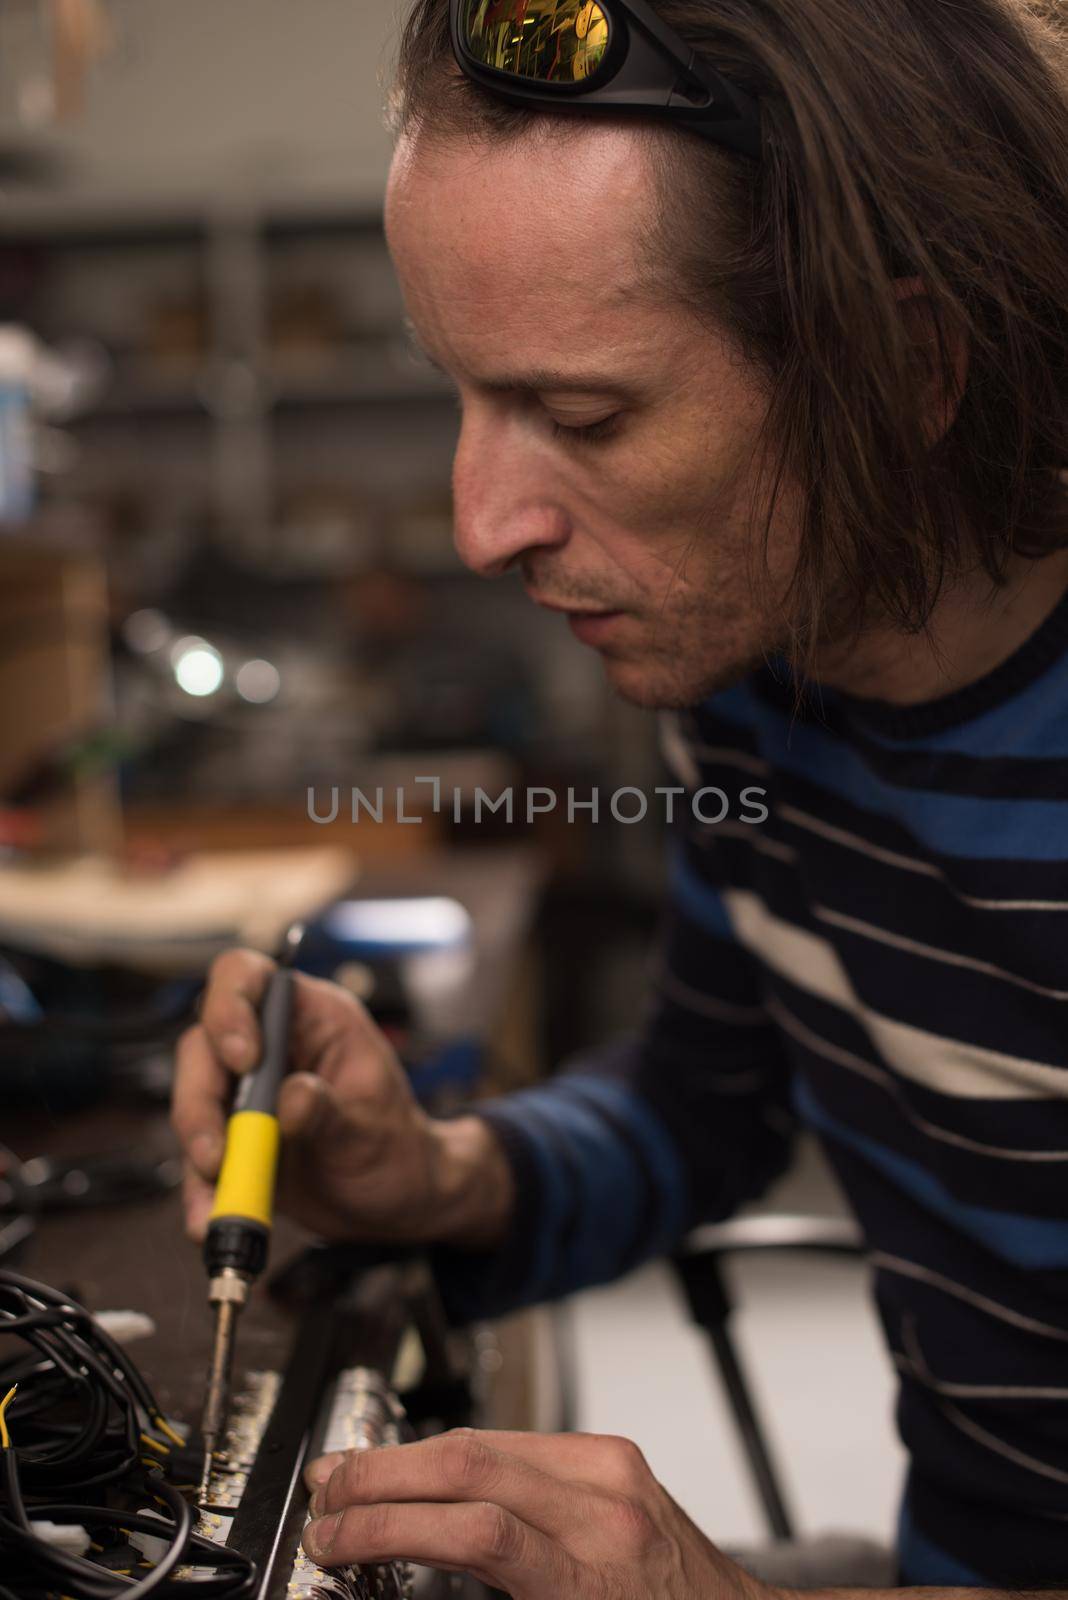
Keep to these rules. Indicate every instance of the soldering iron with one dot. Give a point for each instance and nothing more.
(235, 1248)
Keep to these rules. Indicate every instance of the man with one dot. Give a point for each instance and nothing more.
(766, 389)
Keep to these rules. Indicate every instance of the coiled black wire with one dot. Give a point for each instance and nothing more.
(80, 1425)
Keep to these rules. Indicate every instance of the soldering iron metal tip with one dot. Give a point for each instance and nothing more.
(205, 1475)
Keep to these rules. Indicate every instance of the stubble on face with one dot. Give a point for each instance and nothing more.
(711, 608)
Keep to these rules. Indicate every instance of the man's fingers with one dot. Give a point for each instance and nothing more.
(331, 1029)
(313, 1110)
(197, 1200)
(601, 1459)
(456, 1466)
(318, 1471)
(604, 1459)
(306, 1105)
(236, 985)
(480, 1538)
(199, 1101)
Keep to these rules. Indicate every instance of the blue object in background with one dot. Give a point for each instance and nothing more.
(381, 935)
(377, 930)
(17, 1001)
(16, 439)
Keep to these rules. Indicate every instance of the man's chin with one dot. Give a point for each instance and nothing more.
(656, 684)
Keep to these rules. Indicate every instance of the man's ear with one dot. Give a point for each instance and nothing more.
(943, 371)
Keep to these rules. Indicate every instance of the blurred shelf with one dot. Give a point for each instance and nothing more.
(159, 397)
(338, 383)
(343, 386)
(102, 233)
(223, 331)
(123, 232)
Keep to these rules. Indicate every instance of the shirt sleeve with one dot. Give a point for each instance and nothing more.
(621, 1153)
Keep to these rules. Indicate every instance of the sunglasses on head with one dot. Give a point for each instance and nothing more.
(588, 55)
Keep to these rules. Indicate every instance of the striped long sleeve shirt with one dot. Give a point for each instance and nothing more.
(884, 959)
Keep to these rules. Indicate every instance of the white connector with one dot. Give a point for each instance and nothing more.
(151, 1548)
(70, 1537)
(125, 1327)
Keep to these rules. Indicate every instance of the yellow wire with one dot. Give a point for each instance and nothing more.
(165, 1428)
(156, 1444)
(5, 1437)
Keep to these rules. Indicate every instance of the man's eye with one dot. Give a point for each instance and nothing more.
(585, 433)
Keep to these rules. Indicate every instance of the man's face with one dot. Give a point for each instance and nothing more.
(607, 440)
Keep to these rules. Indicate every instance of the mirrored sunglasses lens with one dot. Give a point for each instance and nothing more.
(544, 41)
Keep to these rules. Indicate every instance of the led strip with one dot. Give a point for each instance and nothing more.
(364, 1415)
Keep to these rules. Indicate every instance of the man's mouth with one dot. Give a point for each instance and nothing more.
(572, 610)
(592, 626)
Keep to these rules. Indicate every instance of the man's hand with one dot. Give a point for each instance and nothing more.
(360, 1159)
(537, 1515)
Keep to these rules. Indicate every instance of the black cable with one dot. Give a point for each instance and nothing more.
(78, 1423)
(183, 1528)
(12, 1489)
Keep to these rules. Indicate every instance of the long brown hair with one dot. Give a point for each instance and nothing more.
(902, 138)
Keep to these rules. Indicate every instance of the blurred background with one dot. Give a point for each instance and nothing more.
(226, 580)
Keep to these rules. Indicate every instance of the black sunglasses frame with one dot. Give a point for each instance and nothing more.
(646, 69)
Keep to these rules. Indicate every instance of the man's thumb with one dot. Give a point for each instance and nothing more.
(308, 1109)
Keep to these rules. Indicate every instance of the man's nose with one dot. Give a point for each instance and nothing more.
(502, 505)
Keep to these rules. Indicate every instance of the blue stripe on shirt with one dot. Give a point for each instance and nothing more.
(1021, 728)
(697, 901)
(1036, 1242)
(954, 825)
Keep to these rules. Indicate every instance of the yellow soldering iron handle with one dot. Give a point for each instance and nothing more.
(244, 1197)
(250, 1164)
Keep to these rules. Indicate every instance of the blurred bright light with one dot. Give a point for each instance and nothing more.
(430, 923)
(257, 681)
(198, 667)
